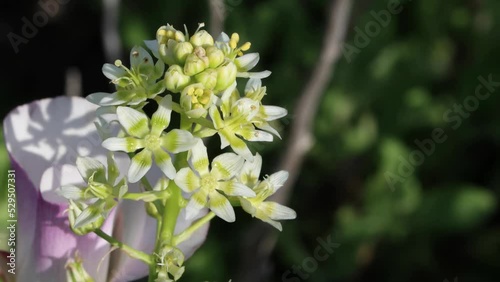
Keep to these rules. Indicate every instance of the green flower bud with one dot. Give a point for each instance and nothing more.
(164, 33)
(100, 190)
(215, 56)
(75, 272)
(152, 211)
(166, 52)
(202, 38)
(226, 75)
(182, 50)
(175, 79)
(74, 210)
(208, 78)
(196, 62)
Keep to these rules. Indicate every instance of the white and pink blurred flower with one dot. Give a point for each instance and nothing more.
(43, 139)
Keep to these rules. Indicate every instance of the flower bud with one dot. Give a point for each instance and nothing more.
(152, 211)
(215, 56)
(166, 52)
(74, 211)
(202, 38)
(196, 62)
(164, 33)
(175, 79)
(75, 272)
(226, 75)
(208, 78)
(182, 50)
(100, 190)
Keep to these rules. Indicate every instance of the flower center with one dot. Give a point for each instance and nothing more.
(152, 142)
(209, 182)
(199, 96)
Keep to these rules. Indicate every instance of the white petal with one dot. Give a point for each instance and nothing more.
(262, 74)
(139, 56)
(278, 179)
(153, 46)
(59, 176)
(88, 166)
(198, 201)
(216, 117)
(112, 72)
(221, 207)
(253, 85)
(247, 61)
(262, 136)
(161, 118)
(251, 171)
(276, 211)
(177, 140)
(227, 165)
(88, 216)
(223, 37)
(140, 165)
(223, 141)
(107, 99)
(199, 158)
(275, 224)
(274, 112)
(164, 162)
(133, 121)
(234, 188)
(187, 180)
(127, 144)
(267, 127)
(71, 192)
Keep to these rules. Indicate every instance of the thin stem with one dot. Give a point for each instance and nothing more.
(146, 184)
(133, 253)
(186, 234)
(148, 187)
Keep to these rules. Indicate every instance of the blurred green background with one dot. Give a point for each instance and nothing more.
(438, 222)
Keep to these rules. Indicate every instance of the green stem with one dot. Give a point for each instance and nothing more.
(172, 210)
(146, 184)
(133, 253)
(148, 187)
(186, 234)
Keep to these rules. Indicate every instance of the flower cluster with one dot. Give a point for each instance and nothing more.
(196, 78)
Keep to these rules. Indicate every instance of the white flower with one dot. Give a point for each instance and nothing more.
(207, 185)
(236, 122)
(135, 85)
(257, 206)
(150, 136)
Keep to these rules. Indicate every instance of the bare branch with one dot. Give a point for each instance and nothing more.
(260, 241)
(301, 137)
(217, 16)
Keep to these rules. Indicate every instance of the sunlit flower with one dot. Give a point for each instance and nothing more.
(243, 62)
(135, 85)
(100, 192)
(255, 91)
(236, 122)
(151, 138)
(257, 206)
(207, 185)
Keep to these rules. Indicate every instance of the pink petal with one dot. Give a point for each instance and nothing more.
(40, 135)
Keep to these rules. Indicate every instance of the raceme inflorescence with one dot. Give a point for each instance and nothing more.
(163, 109)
